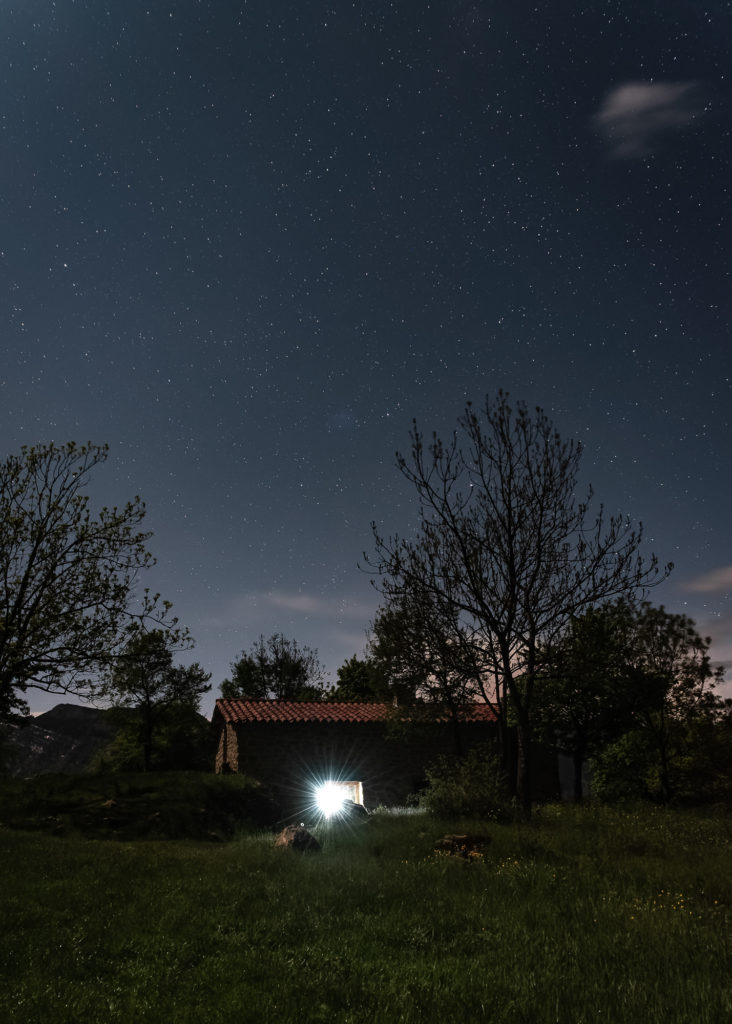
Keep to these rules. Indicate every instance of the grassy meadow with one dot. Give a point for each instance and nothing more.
(582, 915)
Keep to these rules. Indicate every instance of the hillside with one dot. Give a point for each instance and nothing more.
(64, 740)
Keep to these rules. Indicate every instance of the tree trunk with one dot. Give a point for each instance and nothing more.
(578, 761)
(523, 769)
(505, 750)
(666, 792)
(456, 728)
(147, 734)
(663, 752)
(458, 736)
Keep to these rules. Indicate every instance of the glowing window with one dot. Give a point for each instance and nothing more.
(331, 796)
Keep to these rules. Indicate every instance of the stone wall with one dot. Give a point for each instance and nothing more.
(227, 757)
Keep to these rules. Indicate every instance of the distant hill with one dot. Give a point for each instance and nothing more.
(65, 739)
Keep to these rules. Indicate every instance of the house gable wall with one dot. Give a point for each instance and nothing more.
(293, 757)
(227, 754)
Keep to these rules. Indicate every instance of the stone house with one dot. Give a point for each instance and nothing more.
(381, 754)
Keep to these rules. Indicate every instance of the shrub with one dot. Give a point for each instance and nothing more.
(470, 786)
(620, 772)
(698, 767)
(161, 805)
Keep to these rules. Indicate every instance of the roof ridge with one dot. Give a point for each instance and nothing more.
(245, 710)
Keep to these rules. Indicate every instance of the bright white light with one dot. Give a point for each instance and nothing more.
(330, 798)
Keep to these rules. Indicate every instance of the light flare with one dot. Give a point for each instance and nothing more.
(330, 799)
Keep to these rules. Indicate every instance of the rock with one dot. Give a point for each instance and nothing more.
(297, 838)
(462, 845)
(351, 811)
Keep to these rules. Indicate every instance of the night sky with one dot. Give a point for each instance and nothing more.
(245, 243)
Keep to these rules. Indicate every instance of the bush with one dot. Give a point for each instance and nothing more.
(699, 760)
(126, 806)
(620, 771)
(469, 786)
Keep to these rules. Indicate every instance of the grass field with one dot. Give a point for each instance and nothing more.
(581, 916)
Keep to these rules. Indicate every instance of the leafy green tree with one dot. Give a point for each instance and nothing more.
(66, 574)
(433, 665)
(422, 652)
(276, 669)
(181, 740)
(590, 691)
(620, 770)
(670, 650)
(666, 755)
(154, 693)
(362, 679)
(706, 769)
(185, 740)
(504, 548)
(409, 660)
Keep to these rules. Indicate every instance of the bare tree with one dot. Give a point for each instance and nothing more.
(506, 550)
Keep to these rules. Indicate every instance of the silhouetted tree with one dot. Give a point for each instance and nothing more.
(66, 575)
(589, 690)
(664, 754)
(156, 693)
(276, 669)
(433, 663)
(421, 648)
(505, 547)
(362, 679)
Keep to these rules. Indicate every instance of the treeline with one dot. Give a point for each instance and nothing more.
(626, 690)
(511, 591)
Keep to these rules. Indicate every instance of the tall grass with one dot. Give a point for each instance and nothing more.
(592, 915)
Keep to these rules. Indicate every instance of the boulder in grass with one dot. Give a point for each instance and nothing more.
(351, 811)
(298, 838)
(463, 845)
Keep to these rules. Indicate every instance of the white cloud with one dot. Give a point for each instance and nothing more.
(636, 116)
(307, 604)
(304, 603)
(712, 582)
(254, 607)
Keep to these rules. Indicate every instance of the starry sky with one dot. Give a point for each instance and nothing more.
(245, 243)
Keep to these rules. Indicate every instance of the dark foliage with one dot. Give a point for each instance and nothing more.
(678, 746)
(473, 786)
(66, 575)
(362, 679)
(276, 669)
(161, 701)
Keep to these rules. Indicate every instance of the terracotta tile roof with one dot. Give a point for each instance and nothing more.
(233, 711)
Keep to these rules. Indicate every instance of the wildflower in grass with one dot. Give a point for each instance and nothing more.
(676, 904)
